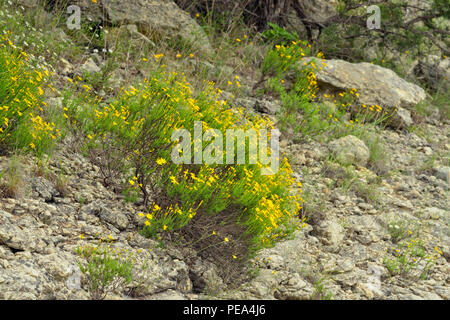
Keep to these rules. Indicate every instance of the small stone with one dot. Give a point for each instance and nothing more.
(44, 188)
(66, 66)
(350, 150)
(365, 206)
(333, 233)
(401, 118)
(428, 151)
(442, 173)
(90, 66)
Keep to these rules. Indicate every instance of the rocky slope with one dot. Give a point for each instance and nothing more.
(344, 243)
(357, 210)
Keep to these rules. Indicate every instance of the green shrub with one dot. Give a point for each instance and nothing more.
(22, 124)
(138, 125)
(411, 258)
(106, 268)
(279, 35)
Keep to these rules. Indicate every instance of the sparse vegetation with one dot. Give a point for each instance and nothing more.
(105, 267)
(11, 179)
(411, 258)
(401, 229)
(110, 138)
(321, 293)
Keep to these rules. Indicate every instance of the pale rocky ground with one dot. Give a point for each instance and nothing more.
(348, 241)
(346, 245)
(342, 247)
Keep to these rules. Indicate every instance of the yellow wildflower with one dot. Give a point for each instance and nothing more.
(161, 161)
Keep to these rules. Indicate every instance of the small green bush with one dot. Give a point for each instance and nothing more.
(106, 268)
(411, 258)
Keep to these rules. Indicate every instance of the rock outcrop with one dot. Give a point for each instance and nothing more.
(375, 85)
(350, 150)
(159, 18)
(318, 10)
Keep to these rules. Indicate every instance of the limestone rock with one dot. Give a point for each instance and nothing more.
(44, 188)
(204, 277)
(375, 85)
(103, 211)
(442, 173)
(332, 232)
(259, 105)
(152, 17)
(17, 238)
(90, 66)
(350, 150)
(318, 10)
(401, 118)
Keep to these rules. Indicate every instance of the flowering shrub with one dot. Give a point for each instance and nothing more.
(284, 56)
(140, 121)
(412, 258)
(319, 113)
(280, 62)
(22, 123)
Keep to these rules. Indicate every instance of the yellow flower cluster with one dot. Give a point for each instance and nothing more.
(21, 106)
(312, 85)
(169, 218)
(303, 95)
(410, 256)
(140, 122)
(289, 54)
(274, 211)
(42, 129)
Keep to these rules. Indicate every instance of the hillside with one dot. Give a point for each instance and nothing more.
(118, 179)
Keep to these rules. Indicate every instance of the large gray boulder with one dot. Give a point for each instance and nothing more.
(374, 84)
(159, 18)
(318, 10)
(314, 10)
(350, 150)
